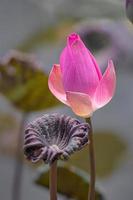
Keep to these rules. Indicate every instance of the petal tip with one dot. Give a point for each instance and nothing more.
(72, 38)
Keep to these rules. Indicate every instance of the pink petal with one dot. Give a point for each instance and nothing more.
(106, 87)
(80, 103)
(80, 72)
(98, 70)
(55, 84)
(72, 37)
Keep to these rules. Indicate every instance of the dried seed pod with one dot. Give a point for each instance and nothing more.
(54, 136)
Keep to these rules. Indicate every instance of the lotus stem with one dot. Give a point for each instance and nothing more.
(91, 194)
(53, 180)
(17, 180)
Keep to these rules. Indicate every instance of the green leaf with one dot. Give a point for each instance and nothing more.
(24, 83)
(109, 149)
(72, 182)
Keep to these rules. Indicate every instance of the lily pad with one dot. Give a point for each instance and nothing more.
(72, 182)
(24, 83)
(109, 149)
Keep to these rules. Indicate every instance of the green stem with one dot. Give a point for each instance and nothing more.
(53, 181)
(17, 180)
(91, 195)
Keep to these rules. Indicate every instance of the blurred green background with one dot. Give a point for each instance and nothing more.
(40, 27)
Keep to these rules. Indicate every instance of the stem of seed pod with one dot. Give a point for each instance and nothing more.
(91, 194)
(53, 180)
(18, 163)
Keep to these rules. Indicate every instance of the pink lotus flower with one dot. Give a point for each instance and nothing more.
(78, 81)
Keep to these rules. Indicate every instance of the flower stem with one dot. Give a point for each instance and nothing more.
(18, 163)
(53, 181)
(91, 195)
